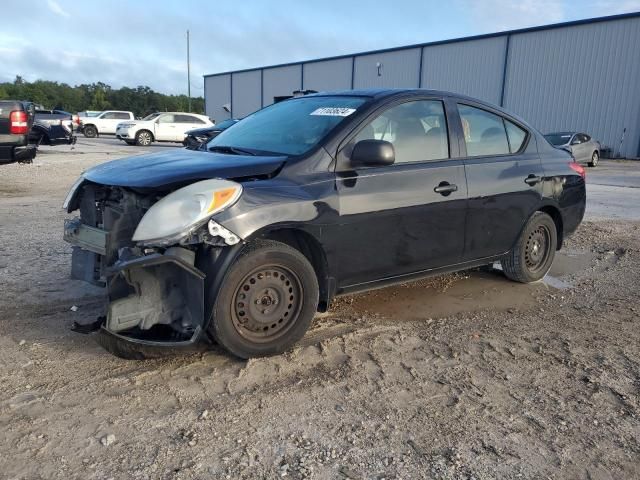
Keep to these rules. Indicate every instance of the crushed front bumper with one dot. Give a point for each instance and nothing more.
(156, 299)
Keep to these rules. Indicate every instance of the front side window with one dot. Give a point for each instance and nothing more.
(109, 116)
(291, 127)
(484, 132)
(417, 130)
(167, 119)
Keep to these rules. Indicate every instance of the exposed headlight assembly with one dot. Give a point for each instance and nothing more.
(182, 212)
(72, 193)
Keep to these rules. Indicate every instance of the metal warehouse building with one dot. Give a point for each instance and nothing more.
(582, 75)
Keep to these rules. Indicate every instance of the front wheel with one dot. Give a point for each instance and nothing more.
(531, 258)
(266, 302)
(595, 158)
(90, 131)
(143, 138)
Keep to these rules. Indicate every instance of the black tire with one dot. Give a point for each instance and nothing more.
(130, 142)
(90, 131)
(531, 258)
(144, 138)
(266, 302)
(595, 158)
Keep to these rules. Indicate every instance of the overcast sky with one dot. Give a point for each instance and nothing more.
(144, 42)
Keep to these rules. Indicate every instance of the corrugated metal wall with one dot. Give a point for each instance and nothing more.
(328, 75)
(280, 82)
(584, 78)
(217, 92)
(247, 92)
(472, 68)
(397, 69)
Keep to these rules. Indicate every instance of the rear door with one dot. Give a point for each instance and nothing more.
(504, 177)
(397, 219)
(188, 122)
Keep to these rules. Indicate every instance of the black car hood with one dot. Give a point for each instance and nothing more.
(180, 166)
(203, 131)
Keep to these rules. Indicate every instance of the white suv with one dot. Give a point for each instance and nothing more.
(105, 122)
(161, 127)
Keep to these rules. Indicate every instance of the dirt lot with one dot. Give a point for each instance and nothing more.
(459, 377)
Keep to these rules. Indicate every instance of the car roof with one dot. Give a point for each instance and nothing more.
(561, 133)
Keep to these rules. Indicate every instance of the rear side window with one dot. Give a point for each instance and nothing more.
(516, 136)
(187, 119)
(121, 115)
(484, 132)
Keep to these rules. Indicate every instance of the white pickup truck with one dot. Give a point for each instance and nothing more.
(105, 122)
(161, 127)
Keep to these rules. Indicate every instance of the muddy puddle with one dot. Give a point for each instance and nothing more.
(467, 292)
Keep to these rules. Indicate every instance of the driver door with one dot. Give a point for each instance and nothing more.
(165, 128)
(394, 219)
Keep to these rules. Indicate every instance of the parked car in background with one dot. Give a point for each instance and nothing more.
(52, 127)
(89, 113)
(16, 119)
(104, 123)
(196, 138)
(583, 148)
(161, 127)
(310, 198)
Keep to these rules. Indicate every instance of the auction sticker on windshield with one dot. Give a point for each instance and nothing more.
(333, 111)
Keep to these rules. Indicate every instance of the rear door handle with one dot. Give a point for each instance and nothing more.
(532, 180)
(445, 188)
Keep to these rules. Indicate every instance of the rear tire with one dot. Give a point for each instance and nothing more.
(266, 302)
(144, 138)
(531, 258)
(90, 131)
(595, 158)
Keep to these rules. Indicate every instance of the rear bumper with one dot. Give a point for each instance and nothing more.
(23, 153)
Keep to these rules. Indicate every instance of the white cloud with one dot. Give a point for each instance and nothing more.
(56, 8)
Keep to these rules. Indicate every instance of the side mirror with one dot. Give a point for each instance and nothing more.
(372, 153)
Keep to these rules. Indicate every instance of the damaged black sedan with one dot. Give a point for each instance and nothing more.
(317, 196)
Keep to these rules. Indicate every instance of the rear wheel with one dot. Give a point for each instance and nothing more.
(266, 302)
(90, 131)
(531, 258)
(144, 138)
(595, 158)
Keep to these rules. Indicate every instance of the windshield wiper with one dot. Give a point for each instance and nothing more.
(231, 150)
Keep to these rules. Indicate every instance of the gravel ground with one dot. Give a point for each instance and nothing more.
(457, 377)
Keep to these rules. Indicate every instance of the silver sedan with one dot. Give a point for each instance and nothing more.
(583, 148)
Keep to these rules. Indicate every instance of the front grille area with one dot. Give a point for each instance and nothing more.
(115, 210)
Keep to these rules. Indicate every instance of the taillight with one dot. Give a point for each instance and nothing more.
(18, 124)
(579, 169)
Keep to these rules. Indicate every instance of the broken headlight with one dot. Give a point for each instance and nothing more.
(182, 212)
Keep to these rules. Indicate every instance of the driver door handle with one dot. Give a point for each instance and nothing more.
(445, 188)
(532, 180)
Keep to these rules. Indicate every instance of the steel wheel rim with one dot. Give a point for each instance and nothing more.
(537, 250)
(267, 303)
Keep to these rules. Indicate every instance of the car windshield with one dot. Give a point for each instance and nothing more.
(225, 124)
(150, 117)
(291, 127)
(558, 138)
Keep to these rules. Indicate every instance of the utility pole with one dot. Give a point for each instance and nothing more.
(188, 73)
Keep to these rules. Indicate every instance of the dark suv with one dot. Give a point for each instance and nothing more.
(311, 198)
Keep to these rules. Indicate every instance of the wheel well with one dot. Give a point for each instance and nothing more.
(310, 248)
(554, 213)
(146, 130)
